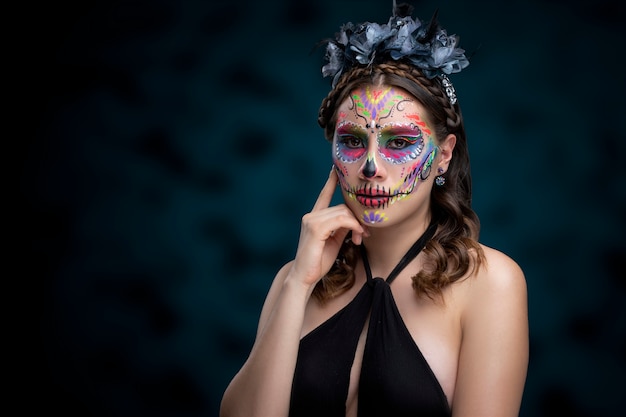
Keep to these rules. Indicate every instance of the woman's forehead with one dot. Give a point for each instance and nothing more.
(379, 104)
(377, 94)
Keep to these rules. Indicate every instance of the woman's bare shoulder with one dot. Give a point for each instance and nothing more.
(494, 352)
(499, 270)
(499, 281)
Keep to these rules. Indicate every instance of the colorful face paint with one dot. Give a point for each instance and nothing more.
(351, 142)
(375, 216)
(419, 171)
(377, 196)
(370, 168)
(373, 105)
(418, 121)
(379, 164)
(400, 144)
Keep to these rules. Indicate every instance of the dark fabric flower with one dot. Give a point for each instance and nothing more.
(429, 48)
(367, 40)
(404, 42)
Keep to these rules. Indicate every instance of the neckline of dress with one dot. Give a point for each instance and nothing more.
(413, 251)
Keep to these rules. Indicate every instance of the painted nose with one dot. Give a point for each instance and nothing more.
(369, 169)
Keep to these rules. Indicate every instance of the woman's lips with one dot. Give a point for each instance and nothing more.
(373, 192)
(373, 196)
(371, 201)
(376, 197)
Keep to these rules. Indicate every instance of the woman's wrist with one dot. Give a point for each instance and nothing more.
(295, 284)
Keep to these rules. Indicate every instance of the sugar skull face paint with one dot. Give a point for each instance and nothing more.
(399, 144)
(373, 195)
(383, 150)
(375, 216)
(350, 142)
(376, 104)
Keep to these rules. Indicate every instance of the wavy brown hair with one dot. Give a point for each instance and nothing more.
(454, 249)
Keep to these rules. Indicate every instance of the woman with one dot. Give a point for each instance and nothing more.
(391, 307)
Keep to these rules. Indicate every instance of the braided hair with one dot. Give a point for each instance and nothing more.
(454, 250)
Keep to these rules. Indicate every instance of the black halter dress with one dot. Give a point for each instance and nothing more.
(395, 381)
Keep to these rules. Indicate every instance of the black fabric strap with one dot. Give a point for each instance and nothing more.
(408, 257)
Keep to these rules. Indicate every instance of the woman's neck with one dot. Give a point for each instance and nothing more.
(387, 245)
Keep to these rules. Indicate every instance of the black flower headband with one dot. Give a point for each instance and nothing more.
(427, 47)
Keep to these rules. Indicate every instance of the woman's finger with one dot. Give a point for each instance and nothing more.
(326, 195)
(327, 222)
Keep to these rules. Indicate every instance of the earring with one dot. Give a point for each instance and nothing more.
(440, 180)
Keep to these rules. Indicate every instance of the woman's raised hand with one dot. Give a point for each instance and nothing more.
(321, 236)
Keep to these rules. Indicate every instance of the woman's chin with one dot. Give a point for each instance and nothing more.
(373, 217)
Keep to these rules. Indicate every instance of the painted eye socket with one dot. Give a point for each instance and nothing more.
(351, 142)
(399, 142)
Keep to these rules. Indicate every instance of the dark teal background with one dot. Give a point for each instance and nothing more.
(172, 148)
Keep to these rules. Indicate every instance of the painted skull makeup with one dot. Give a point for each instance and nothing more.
(382, 150)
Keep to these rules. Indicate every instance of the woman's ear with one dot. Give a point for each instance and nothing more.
(445, 152)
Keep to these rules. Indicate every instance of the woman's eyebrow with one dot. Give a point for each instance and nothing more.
(401, 130)
(351, 129)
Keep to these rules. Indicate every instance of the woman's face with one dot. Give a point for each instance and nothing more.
(384, 149)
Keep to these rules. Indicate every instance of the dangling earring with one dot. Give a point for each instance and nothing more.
(440, 180)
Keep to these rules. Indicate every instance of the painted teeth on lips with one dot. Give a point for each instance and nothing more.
(369, 201)
(373, 192)
(373, 197)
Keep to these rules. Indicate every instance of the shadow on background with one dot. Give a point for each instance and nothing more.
(175, 149)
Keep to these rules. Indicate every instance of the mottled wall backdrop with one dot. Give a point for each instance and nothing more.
(173, 148)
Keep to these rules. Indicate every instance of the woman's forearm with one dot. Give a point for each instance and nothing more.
(263, 385)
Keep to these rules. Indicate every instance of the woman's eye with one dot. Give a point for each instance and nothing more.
(352, 142)
(398, 143)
